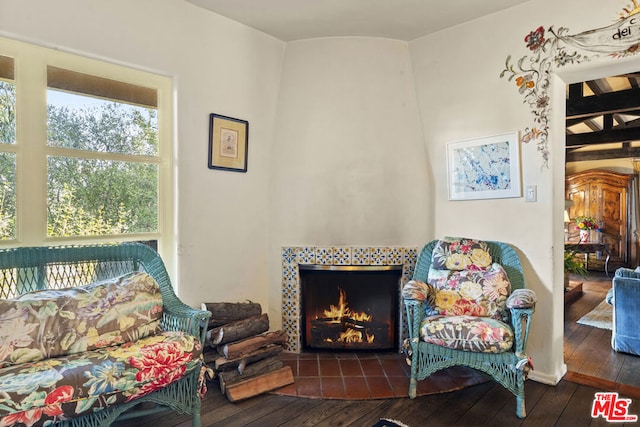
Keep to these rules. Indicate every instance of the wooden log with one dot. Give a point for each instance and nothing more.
(243, 347)
(210, 355)
(223, 364)
(259, 384)
(227, 378)
(226, 312)
(238, 330)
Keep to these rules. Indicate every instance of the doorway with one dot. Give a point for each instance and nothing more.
(604, 139)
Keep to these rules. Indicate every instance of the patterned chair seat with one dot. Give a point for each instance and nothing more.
(67, 386)
(469, 333)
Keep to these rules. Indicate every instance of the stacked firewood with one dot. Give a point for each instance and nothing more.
(243, 354)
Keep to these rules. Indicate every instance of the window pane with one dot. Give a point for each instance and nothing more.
(7, 196)
(87, 123)
(7, 102)
(97, 197)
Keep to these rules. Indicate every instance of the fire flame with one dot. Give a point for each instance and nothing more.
(342, 310)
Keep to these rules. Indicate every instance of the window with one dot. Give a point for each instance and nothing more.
(7, 151)
(109, 183)
(85, 150)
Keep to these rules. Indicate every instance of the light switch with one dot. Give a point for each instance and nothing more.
(531, 193)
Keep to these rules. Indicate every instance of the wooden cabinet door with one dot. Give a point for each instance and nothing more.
(612, 208)
(605, 196)
(579, 193)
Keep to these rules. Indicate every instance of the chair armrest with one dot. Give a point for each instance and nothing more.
(415, 314)
(419, 291)
(522, 304)
(178, 316)
(521, 321)
(627, 273)
(417, 296)
(522, 298)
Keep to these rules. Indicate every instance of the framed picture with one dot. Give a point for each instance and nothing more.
(228, 143)
(484, 168)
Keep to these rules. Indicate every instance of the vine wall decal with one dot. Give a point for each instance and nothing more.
(552, 49)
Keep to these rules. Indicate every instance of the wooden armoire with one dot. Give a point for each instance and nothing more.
(604, 195)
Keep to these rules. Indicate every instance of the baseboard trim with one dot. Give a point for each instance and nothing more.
(548, 379)
(605, 385)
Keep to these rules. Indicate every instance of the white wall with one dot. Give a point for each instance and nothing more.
(461, 96)
(218, 66)
(349, 165)
(340, 149)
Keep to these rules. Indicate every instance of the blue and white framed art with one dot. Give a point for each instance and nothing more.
(484, 168)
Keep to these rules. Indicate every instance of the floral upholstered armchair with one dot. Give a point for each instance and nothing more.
(467, 305)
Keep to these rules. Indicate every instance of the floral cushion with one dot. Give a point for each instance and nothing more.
(460, 254)
(76, 384)
(51, 323)
(522, 298)
(418, 290)
(469, 333)
(471, 292)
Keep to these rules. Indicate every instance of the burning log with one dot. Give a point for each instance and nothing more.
(356, 324)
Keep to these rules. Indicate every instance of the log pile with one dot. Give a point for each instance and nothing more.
(241, 351)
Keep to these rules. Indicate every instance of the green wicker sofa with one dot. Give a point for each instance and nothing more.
(89, 332)
(467, 306)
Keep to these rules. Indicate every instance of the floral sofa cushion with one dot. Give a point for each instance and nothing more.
(471, 292)
(468, 333)
(60, 388)
(51, 323)
(452, 253)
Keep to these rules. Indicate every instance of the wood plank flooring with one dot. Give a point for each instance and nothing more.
(488, 404)
(592, 364)
(587, 350)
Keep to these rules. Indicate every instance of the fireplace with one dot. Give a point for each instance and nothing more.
(296, 260)
(350, 307)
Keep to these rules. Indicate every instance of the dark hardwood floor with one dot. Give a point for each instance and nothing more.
(487, 404)
(587, 350)
(592, 364)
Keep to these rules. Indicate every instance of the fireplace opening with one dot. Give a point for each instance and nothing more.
(350, 307)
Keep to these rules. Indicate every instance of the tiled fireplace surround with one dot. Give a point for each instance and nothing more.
(293, 256)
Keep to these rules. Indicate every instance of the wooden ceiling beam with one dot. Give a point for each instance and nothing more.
(576, 91)
(619, 153)
(593, 85)
(603, 137)
(611, 102)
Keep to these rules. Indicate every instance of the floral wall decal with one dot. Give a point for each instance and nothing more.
(551, 49)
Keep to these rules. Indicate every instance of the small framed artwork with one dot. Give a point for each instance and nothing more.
(228, 143)
(484, 168)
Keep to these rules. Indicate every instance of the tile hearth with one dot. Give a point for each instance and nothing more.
(366, 376)
(293, 256)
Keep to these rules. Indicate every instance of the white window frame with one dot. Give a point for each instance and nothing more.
(31, 149)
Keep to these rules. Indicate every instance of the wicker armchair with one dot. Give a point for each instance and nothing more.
(505, 362)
